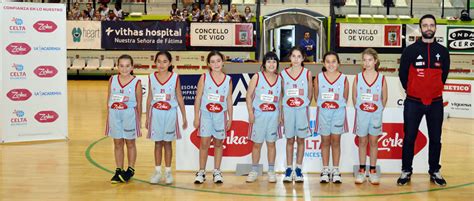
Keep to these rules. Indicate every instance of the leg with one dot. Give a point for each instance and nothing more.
(336, 149)
(168, 153)
(131, 152)
(434, 120)
(412, 114)
(374, 149)
(271, 152)
(325, 144)
(218, 153)
(363, 141)
(256, 153)
(158, 152)
(290, 143)
(119, 153)
(203, 149)
(300, 150)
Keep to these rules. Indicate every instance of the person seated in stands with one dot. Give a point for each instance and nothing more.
(111, 16)
(85, 16)
(174, 13)
(248, 15)
(207, 13)
(233, 15)
(118, 11)
(97, 16)
(90, 9)
(104, 10)
(196, 13)
(184, 17)
(220, 14)
(75, 11)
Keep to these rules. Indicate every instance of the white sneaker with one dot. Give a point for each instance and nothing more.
(325, 176)
(360, 177)
(155, 178)
(218, 179)
(272, 178)
(336, 176)
(252, 177)
(168, 177)
(298, 176)
(200, 177)
(289, 175)
(374, 178)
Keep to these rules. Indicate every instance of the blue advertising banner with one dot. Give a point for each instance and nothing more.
(150, 35)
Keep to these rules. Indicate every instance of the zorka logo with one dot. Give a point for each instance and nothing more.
(46, 116)
(330, 105)
(295, 102)
(235, 144)
(461, 88)
(161, 105)
(45, 71)
(45, 26)
(18, 48)
(390, 143)
(368, 107)
(119, 106)
(214, 107)
(267, 107)
(19, 94)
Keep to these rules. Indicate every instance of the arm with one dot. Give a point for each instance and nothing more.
(384, 92)
(179, 97)
(354, 91)
(403, 69)
(108, 97)
(139, 97)
(446, 67)
(280, 102)
(148, 103)
(310, 86)
(249, 97)
(346, 89)
(316, 89)
(229, 106)
(197, 101)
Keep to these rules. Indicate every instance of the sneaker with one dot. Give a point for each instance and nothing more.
(405, 178)
(168, 177)
(218, 179)
(252, 177)
(115, 179)
(156, 177)
(200, 177)
(324, 176)
(360, 177)
(374, 177)
(129, 173)
(336, 176)
(437, 179)
(288, 175)
(299, 176)
(272, 177)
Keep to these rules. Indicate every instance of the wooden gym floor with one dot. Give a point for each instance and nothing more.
(80, 169)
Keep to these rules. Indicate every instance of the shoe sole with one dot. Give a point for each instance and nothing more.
(218, 182)
(359, 182)
(406, 183)
(299, 182)
(337, 182)
(247, 181)
(434, 181)
(114, 182)
(375, 183)
(198, 182)
(287, 181)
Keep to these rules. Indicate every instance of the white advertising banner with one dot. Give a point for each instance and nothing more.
(458, 98)
(83, 34)
(34, 84)
(221, 34)
(413, 34)
(370, 35)
(238, 148)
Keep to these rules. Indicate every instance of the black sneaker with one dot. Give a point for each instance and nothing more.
(437, 179)
(404, 179)
(129, 173)
(115, 179)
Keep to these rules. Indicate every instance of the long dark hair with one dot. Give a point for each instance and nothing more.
(297, 48)
(327, 54)
(168, 56)
(270, 56)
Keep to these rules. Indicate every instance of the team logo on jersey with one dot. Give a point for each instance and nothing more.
(267, 107)
(390, 143)
(214, 107)
(162, 105)
(368, 107)
(236, 142)
(119, 106)
(295, 102)
(330, 105)
(46, 116)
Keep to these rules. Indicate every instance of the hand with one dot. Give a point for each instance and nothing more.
(281, 119)
(251, 118)
(196, 123)
(228, 125)
(185, 123)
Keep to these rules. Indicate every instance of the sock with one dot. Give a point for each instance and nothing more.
(362, 167)
(158, 168)
(299, 166)
(325, 168)
(335, 169)
(372, 167)
(167, 169)
(255, 168)
(289, 167)
(271, 167)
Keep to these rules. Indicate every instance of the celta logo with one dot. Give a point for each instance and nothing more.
(18, 48)
(76, 34)
(18, 73)
(18, 26)
(18, 118)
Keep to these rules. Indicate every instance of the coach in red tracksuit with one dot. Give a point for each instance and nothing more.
(424, 68)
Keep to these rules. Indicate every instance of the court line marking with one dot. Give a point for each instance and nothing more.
(93, 162)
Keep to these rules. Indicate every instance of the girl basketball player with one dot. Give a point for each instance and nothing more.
(369, 94)
(331, 90)
(297, 95)
(124, 108)
(263, 98)
(162, 122)
(212, 114)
